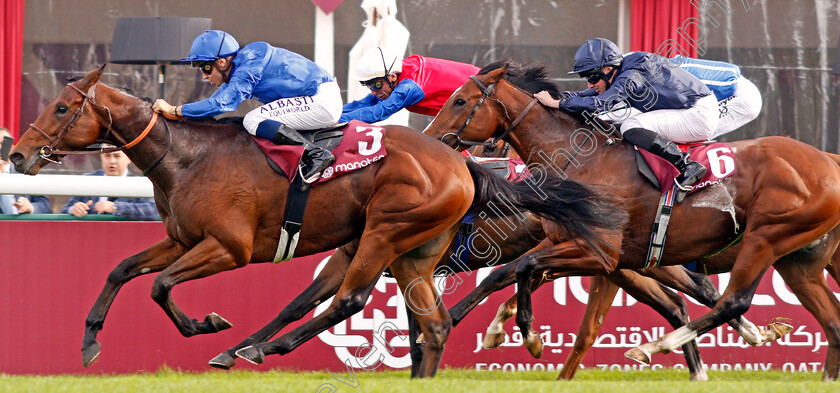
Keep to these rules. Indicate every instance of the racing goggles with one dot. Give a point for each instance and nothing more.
(374, 84)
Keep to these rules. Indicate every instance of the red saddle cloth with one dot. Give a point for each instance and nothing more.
(718, 158)
(360, 146)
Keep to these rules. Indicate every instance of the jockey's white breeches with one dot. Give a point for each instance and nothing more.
(300, 113)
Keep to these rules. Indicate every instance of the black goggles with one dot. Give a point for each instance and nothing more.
(594, 77)
(374, 84)
(205, 66)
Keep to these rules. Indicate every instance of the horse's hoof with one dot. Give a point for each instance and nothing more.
(251, 354)
(638, 355)
(218, 322)
(90, 353)
(700, 376)
(493, 340)
(223, 361)
(776, 330)
(534, 345)
(421, 339)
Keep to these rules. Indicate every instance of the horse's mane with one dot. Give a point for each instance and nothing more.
(532, 77)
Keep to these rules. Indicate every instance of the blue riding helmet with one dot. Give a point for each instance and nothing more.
(594, 54)
(211, 45)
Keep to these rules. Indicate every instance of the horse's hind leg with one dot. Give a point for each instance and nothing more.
(150, 260)
(324, 286)
(810, 287)
(421, 298)
(208, 257)
(415, 347)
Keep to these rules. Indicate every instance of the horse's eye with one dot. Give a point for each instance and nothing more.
(61, 109)
(460, 101)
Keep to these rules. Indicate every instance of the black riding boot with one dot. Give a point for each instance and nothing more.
(690, 171)
(315, 158)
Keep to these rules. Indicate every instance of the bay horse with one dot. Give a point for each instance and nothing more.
(400, 212)
(784, 197)
(495, 243)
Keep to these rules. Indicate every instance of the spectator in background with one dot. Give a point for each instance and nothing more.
(18, 204)
(113, 164)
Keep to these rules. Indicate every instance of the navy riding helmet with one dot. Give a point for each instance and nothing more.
(594, 54)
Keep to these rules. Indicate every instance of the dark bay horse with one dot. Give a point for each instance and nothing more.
(784, 197)
(222, 208)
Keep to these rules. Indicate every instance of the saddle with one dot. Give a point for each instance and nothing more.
(328, 138)
(355, 146)
(718, 158)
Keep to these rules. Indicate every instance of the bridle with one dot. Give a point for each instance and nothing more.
(487, 91)
(48, 150)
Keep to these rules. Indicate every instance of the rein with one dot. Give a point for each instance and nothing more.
(48, 150)
(487, 91)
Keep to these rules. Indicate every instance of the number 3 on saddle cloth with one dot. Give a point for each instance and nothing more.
(718, 158)
(358, 145)
(355, 146)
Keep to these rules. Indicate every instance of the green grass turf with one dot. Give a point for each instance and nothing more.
(448, 380)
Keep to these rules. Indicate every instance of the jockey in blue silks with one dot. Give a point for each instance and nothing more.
(297, 94)
(739, 100)
(673, 105)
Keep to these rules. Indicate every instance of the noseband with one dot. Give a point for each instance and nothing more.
(487, 91)
(49, 150)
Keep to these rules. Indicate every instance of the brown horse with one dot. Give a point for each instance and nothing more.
(784, 197)
(495, 243)
(400, 212)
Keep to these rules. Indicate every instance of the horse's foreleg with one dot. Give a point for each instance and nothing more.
(668, 304)
(495, 334)
(497, 280)
(207, 258)
(699, 287)
(753, 260)
(812, 290)
(151, 260)
(568, 256)
(325, 285)
(601, 295)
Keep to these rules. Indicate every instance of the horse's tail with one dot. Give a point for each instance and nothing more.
(574, 206)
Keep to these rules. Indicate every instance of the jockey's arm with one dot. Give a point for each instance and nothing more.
(404, 95)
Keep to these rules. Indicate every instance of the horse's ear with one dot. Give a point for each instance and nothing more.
(91, 78)
(497, 74)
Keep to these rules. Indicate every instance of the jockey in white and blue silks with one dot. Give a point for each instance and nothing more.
(739, 101)
(297, 94)
(673, 105)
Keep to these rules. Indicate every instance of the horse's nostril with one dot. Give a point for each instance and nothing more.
(17, 158)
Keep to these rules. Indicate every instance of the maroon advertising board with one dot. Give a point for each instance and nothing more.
(52, 272)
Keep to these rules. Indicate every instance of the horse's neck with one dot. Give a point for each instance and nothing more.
(557, 139)
(130, 116)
